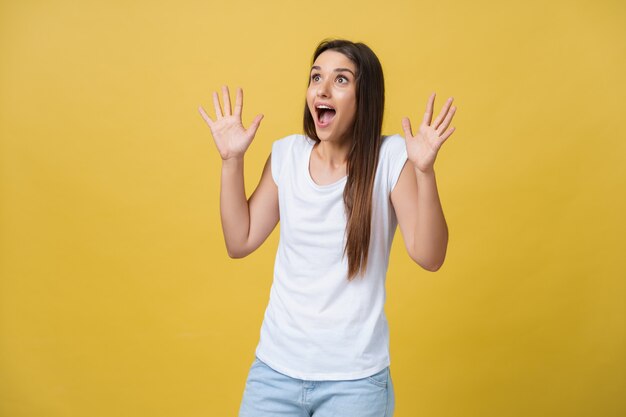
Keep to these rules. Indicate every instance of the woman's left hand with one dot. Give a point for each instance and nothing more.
(422, 148)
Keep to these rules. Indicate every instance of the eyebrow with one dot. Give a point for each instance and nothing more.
(336, 70)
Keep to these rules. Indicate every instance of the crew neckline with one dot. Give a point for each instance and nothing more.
(311, 144)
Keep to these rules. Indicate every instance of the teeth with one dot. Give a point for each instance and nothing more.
(322, 106)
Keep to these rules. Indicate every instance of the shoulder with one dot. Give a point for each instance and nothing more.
(393, 156)
(286, 149)
(392, 150)
(290, 141)
(393, 144)
(294, 138)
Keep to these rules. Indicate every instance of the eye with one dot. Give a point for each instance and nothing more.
(314, 77)
(341, 77)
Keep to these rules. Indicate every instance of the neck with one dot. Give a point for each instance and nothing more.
(333, 154)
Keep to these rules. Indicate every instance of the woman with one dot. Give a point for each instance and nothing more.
(339, 191)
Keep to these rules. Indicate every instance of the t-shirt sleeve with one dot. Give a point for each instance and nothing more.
(278, 155)
(396, 158)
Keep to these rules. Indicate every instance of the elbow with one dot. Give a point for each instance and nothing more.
(431, 262)
(428, 266)
(437, 264)
(432, 268)
(235, 253)
(237, 249)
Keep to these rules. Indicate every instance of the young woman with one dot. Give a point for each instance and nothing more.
(339, 191)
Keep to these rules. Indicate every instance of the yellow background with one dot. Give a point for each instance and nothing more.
(117, 297)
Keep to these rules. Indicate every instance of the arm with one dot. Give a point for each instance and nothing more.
(415, 198)
(420, 217)
(246, 224)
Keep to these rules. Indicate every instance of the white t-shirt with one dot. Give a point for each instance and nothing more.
(318, 325)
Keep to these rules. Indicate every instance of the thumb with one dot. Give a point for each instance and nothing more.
(406, 125)
(254, 125)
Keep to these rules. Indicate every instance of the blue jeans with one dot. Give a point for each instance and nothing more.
(269, 393)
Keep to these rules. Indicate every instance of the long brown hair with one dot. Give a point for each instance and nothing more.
(363, 154)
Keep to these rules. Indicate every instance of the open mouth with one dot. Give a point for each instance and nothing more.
(325, 115)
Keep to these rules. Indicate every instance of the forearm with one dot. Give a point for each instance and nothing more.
(431, 234)
(234, 206)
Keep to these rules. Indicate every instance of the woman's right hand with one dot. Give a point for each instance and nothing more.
(231, 138)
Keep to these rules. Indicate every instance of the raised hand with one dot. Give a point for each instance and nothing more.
(231, 138)
(422, 148)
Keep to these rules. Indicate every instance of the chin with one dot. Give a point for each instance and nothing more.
(329, 135)
(324, 136)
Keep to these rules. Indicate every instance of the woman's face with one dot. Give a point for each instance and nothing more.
(331, 95)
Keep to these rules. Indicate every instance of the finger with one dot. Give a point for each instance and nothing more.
(239, 102)
(226, 95)
(443, 113)
(205, 116)
(442, 127)
(429, 110)
(216, 104)
(254, 125)
(447, 134)
(406, 125)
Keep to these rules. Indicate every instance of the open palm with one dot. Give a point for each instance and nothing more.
(422, 148)
(231, 138)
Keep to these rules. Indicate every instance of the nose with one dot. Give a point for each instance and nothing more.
(323, 90)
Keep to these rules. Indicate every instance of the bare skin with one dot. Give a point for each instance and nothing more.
(246, 223)
(415, 198)
(332, 82)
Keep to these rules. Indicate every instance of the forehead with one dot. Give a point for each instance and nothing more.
(330, 60)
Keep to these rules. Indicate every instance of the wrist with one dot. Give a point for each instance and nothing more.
(424, 172)
(233, 158)
(234, 161)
